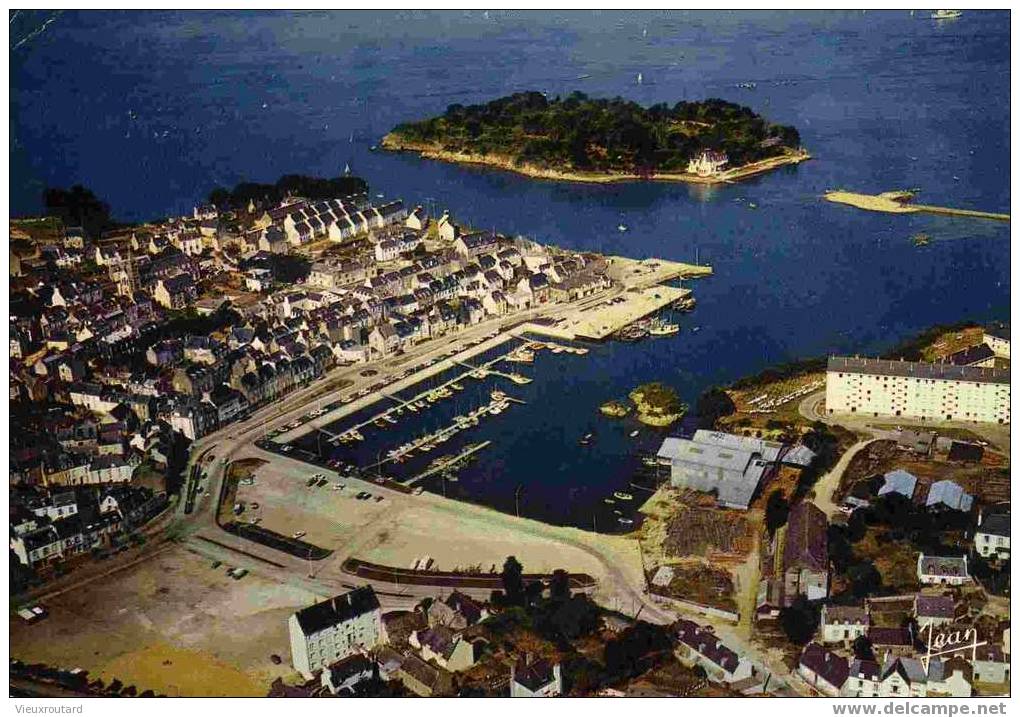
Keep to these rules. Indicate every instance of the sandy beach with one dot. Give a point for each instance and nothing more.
(395, 144)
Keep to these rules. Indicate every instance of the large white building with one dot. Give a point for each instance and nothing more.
(996, 336)
(929, 391)
(334, 629)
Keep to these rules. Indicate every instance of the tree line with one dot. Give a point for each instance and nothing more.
(598, 134)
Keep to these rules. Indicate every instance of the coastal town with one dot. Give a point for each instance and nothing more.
(163, 375)
(432, 354)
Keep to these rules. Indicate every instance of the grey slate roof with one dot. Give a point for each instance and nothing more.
(899, 481)
(916, 369)
(950, 495)
(337, 610)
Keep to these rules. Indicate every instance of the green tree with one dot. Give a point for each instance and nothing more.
(78, 206)
(513, 581)
(777, 509)
(559, 586)
(799, 621)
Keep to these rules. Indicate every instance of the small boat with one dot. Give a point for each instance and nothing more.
(389, 419)
(696, 329)
(609, 501)
(640, 78)
(633, 434)
(625, 521)
(620, 495)
(946, 14)
(580, 351)
(618, 512)
(921, 239)
(586, 439)
(379, 423)
(621, 227)
(663, 328)
(583, 77)
(650, 461)
(518, 379)
(497, 395)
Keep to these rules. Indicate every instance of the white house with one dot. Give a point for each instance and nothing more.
(540, 678)
(991, 665)
(843, 624)
(418, 219)
(826, 671)
(935, 570)
(443, 646)
(698, 646)
(707, 163)
(334, 629)
(991, 539)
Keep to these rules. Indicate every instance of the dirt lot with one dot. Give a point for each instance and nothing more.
(174, 625)
(701, 582)
(402, 528)
(687, 524)
(988, 481)
(709, 549)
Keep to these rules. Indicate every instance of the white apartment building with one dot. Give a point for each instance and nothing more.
(334, 629)
(996, 336)
(937, 392)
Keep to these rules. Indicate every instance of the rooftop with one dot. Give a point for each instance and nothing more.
(916, 369)
(337, 610)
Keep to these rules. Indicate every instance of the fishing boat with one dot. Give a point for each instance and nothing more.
(685, 304)
(620, 495)
(663, 328)
(523, 355)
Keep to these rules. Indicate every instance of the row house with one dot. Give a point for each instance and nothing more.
(176, 292)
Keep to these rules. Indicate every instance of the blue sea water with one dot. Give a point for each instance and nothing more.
(151, 110)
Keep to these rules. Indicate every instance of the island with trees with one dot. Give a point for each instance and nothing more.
(581, 138)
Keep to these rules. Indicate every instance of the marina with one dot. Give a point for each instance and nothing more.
(473, 443)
